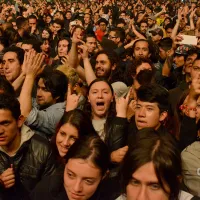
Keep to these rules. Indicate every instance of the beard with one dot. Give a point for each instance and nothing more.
(106, 73)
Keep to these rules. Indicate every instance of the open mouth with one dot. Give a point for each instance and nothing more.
(100, 103)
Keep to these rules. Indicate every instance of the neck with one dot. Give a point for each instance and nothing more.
(187, 77)
(21, 32)
(13, 146)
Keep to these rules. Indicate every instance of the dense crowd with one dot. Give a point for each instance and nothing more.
(99, 100)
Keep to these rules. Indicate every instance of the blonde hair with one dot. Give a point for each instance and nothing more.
(70, 73)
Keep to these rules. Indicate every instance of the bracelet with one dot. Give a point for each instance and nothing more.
(185, 108)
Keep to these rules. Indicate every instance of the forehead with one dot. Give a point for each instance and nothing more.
(112, 32)
(143, 103)
(146, 173)
(83, 168)
(91, 39)
(32, 20)
(102, 57)
(142, 44)
(65, 42)
(100, 85)
(196, 63)
(55, 24)
(5, 115)
(10, 55)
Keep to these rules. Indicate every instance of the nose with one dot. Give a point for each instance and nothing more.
(99, 94)
(1, 130)
(66, 141)
(77, 186)
(39, 92)
(5, 66)
(142, 112)
(142, 194)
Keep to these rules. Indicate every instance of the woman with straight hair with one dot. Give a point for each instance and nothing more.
(152, 168)
(73, 125)
(86, 164)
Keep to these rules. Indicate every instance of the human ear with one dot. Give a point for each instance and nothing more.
(20, 121)
(163, 116)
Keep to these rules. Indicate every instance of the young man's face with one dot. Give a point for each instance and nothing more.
(11, 65)
(44, 97)
(9, 128)
(102, 26)
(141, 50)
(143, 28)
(169, 32)
(56, 28)
(32, 23)
(91, 43)
(103, 66)
(147, 115)
(112, 36)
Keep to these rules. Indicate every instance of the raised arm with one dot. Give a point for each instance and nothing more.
(89, 72)
(33, 68)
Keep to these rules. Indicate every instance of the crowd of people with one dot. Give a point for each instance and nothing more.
(99, 100)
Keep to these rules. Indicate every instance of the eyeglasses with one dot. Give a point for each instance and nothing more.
(111, 37)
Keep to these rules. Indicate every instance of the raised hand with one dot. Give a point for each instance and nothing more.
(34, 64)
(122, 105)
(83, 51)
(72, 100)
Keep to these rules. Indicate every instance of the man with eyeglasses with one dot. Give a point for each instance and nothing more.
(102, 31)
(117, 35)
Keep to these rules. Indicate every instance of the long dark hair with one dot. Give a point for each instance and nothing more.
(111, 111)
(93, 149)
(162, 150)
(80, 121)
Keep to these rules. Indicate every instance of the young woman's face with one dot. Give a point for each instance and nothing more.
(63, 48)
(45, 34)
(81, 179)
(144, 184)
(65, 137)
(100, 97)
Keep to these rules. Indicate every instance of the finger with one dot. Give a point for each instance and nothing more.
(10, 182)
(128, 96)
(69, 92)
(8, 177)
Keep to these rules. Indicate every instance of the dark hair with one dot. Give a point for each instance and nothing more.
(60, 22)
(6, 87)
(80, 121)
(88, 36)
(32, 17)
(18, 51)
(11, 36)
(9, 102)
(119, 32)
(20, 21)
(160, 149)
(143, 21)
(55, 82)
(92, 149)
(154, 93)
(136, 63)
(35, 44)
(121, 21)
(165, 43)
(169, 26)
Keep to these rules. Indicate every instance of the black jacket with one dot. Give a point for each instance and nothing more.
(116, 133)
(32, 162)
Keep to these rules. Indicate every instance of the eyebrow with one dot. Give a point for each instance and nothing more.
(148, 183)
(82, 177)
